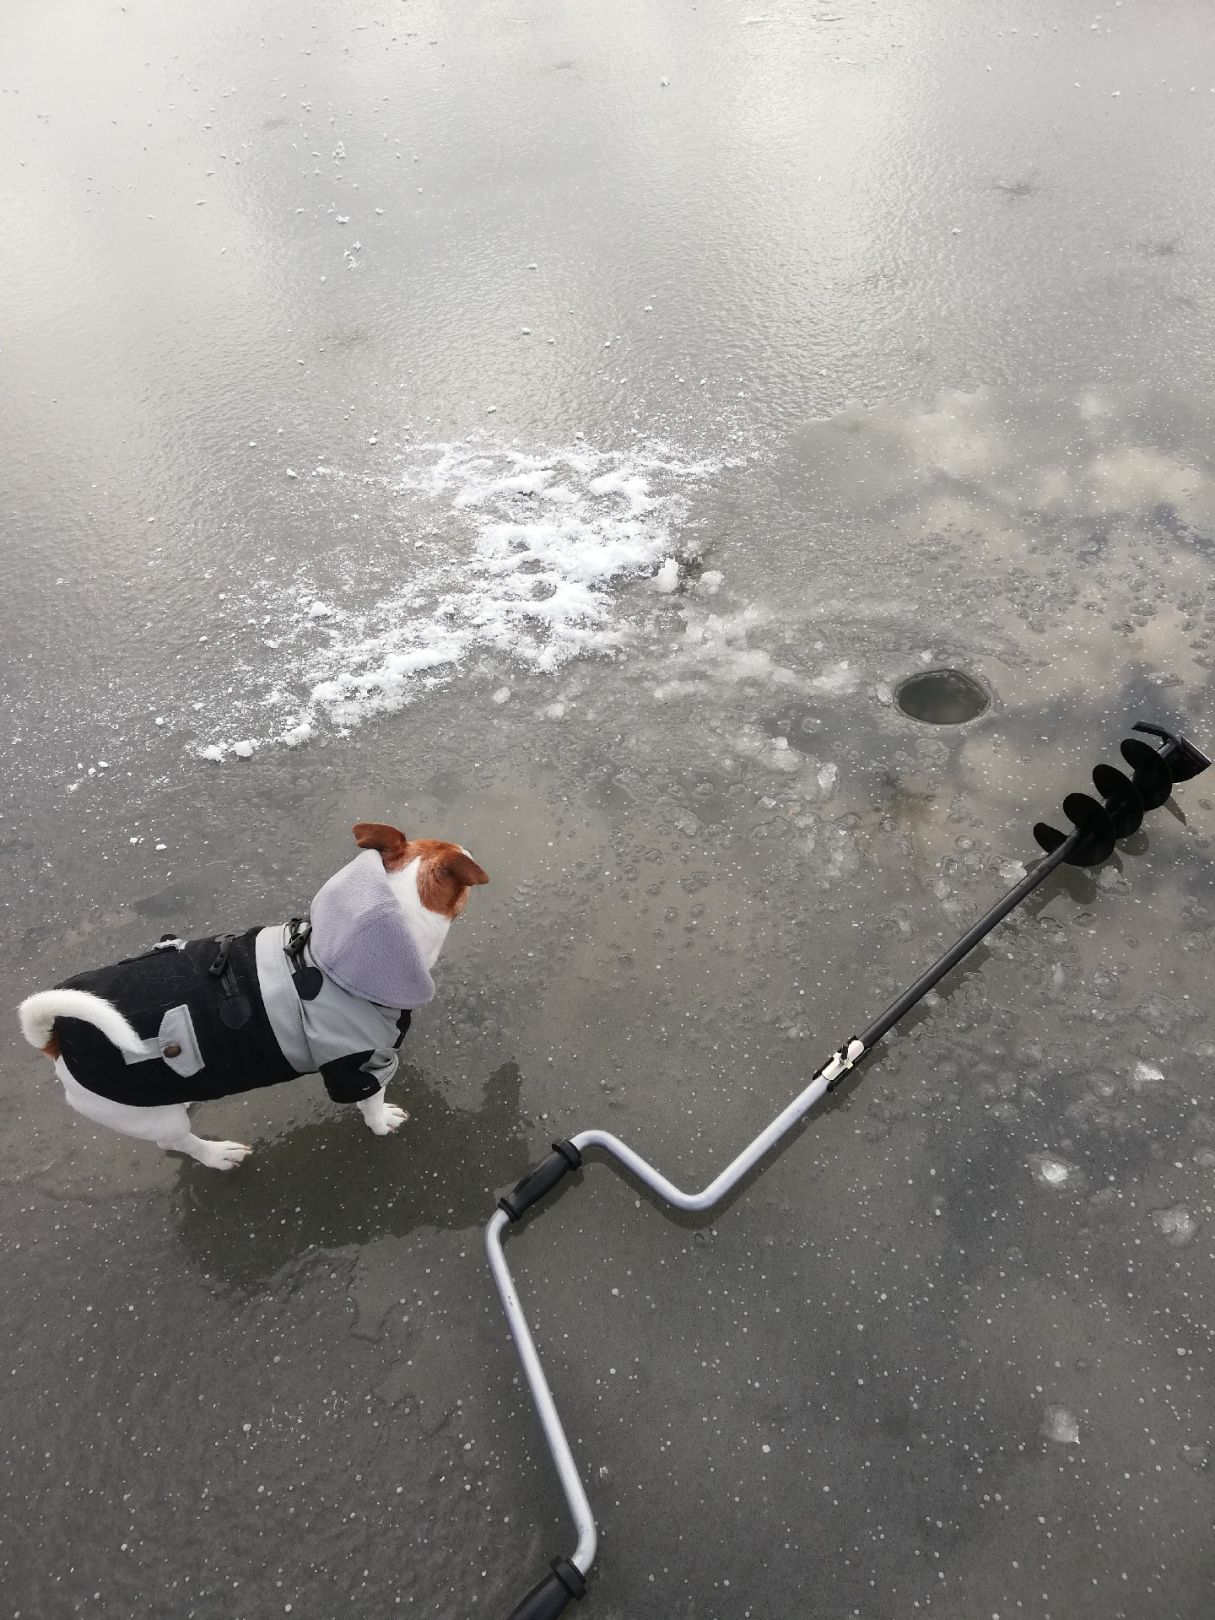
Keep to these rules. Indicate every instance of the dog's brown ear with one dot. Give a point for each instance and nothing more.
(390, 841)
(465, 870)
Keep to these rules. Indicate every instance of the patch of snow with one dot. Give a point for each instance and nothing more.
(633, 488)
(837, 681)
(666, 579)
(526, 556)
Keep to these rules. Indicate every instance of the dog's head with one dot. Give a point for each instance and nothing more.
(442, 874)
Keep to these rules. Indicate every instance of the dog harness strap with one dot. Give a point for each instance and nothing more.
(281, 997)
(306, 978)
(299, 931)
(235, 1008)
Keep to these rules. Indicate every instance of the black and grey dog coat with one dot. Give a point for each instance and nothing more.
(228, 1014)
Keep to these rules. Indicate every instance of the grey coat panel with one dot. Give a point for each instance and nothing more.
(329, 1026)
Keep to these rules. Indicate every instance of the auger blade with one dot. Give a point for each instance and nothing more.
(1099, 824)
(1153, 779)
(1097, 839)
(1091, 821)
(1121, 801)
(1047, 837)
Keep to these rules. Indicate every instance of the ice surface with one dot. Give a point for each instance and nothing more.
(641, 977)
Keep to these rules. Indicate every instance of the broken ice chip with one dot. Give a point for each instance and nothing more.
(1146, 1076)
(1050, 1171)
(1177, 1226)
(1061, 1426)
(666, 579)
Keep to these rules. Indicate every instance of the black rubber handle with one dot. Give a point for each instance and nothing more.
(549, 1599)
(564, 1158)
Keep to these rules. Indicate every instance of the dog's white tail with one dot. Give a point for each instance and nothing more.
(38, 1014)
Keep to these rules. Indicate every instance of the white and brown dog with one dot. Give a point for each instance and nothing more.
(134, 1044)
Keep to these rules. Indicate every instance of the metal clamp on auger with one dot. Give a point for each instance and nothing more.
(1097, 825)
(846, 1058)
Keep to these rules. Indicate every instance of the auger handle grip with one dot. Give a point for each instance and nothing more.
(564, 1158)
(549, 1599)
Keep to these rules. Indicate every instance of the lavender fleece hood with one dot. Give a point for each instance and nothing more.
(361, 940)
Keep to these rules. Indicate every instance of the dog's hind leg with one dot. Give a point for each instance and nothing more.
(168, 1126)
(215, 1155)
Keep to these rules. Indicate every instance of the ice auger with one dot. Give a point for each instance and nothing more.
(1097, 823)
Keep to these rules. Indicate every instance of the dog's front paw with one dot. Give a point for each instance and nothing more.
(223, 1155)
(385, 1119)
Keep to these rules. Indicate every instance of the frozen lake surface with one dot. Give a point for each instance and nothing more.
(559, 429)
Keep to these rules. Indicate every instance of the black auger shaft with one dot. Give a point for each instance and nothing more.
(963, 947)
